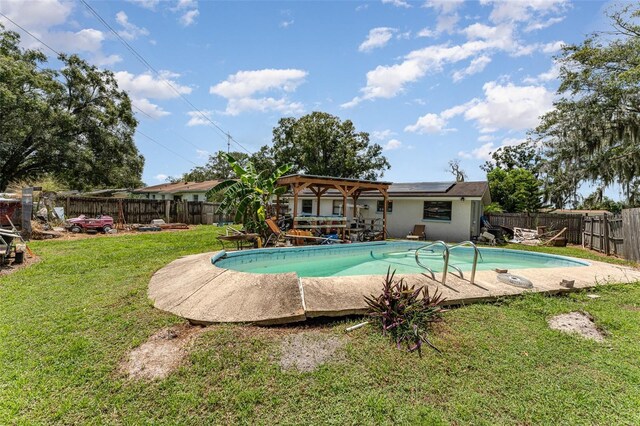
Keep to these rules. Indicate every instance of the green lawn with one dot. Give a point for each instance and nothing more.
(67, 322)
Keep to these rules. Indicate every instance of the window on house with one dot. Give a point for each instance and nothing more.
(437, 210)
(163, 196)
(307, 206)
(195, 197)
(337, 207)
(380, 206)
(177, 198)
(153, 196)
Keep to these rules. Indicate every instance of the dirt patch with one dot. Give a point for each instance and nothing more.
(161, 354)
(632, 308)
(577, 322)
(306, 351)
(11, 267)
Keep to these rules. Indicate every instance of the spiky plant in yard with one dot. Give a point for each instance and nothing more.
(405, 313)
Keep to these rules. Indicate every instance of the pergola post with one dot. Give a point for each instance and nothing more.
(384, 214)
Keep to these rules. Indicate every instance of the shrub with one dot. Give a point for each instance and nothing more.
(405, 313)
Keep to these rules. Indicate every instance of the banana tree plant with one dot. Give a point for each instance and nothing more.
(249, 196)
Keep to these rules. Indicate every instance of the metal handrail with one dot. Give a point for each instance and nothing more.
(476, 252)
(445, 256)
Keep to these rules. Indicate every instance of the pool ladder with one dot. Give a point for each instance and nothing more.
(445, 255)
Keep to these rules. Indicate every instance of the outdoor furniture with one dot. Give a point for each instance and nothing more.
(277, 235)
(418, 233)
(238, 237)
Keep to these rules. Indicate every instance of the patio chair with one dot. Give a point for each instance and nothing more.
(278, 235)
(418, 233)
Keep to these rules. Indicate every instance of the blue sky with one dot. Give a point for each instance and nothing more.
(430, 81)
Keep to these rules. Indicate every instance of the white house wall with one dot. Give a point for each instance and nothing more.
(406, 213)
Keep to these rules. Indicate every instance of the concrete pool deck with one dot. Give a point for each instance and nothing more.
(193, 288)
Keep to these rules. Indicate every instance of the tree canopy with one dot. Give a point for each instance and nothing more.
(322, 144)
(515, 190)
(73, 123)
(592, 134)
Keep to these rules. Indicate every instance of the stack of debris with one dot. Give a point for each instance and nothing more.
(537, 237)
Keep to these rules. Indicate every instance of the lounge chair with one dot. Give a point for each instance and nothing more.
(278, 235)
(418, 233)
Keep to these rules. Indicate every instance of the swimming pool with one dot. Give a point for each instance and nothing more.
(375, 258)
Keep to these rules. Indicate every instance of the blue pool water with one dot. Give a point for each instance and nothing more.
(375, 259)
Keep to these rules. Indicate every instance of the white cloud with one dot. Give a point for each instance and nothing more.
(381, 134)
(392, 144)
(147, 4)
(146, 85)
(203, 154)
(286, 24)
(130, 31)
(426, 32)
(444, 6)
(282, 105)
(447, 18)
(484, 151)
(546, 76)
(240, 89)
(186, 4)
(504, 107)
(540, 25)
(509, 107)
(525, 10)
(378, 37)
(247, 83)
(486, 138)
(152, 110)
(553, 47)
(40, 17)
(477, 65)
(397, 3)
(161, 177)
(196, 118)
(387, 81)
(428, 123)
(189, 17)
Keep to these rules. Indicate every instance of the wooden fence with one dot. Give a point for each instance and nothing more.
(134, 210)
(552, 221)
(631, 234)
(614, 234)
(604, 234)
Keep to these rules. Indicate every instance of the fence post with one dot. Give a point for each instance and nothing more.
(167, 211)
(605, 232)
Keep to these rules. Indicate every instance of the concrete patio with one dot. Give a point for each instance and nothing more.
(193, 288)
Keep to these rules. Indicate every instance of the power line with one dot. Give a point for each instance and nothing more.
(26, 31)
(149, 66)
(165, 147)
(133, 105)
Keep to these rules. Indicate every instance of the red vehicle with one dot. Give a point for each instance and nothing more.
(82, 223)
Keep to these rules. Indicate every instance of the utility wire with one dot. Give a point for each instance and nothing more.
(133, 105)
(149, 66)
(165, 147)
(26, 31)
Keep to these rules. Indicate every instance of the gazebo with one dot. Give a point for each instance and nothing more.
(320, 185)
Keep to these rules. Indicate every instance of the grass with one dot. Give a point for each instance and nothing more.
(67, 322)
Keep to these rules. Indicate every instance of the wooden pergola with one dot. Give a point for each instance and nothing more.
(319, 185)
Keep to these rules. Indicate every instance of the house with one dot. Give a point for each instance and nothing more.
(179, 191)
(450, 210)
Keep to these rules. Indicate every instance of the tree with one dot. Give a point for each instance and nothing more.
(524, 156)
(515, 190)
(592, 134)
(73, 124)
(250, 195)
(456, 170)
(217, 168)
(596, 201)
(322, 144)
